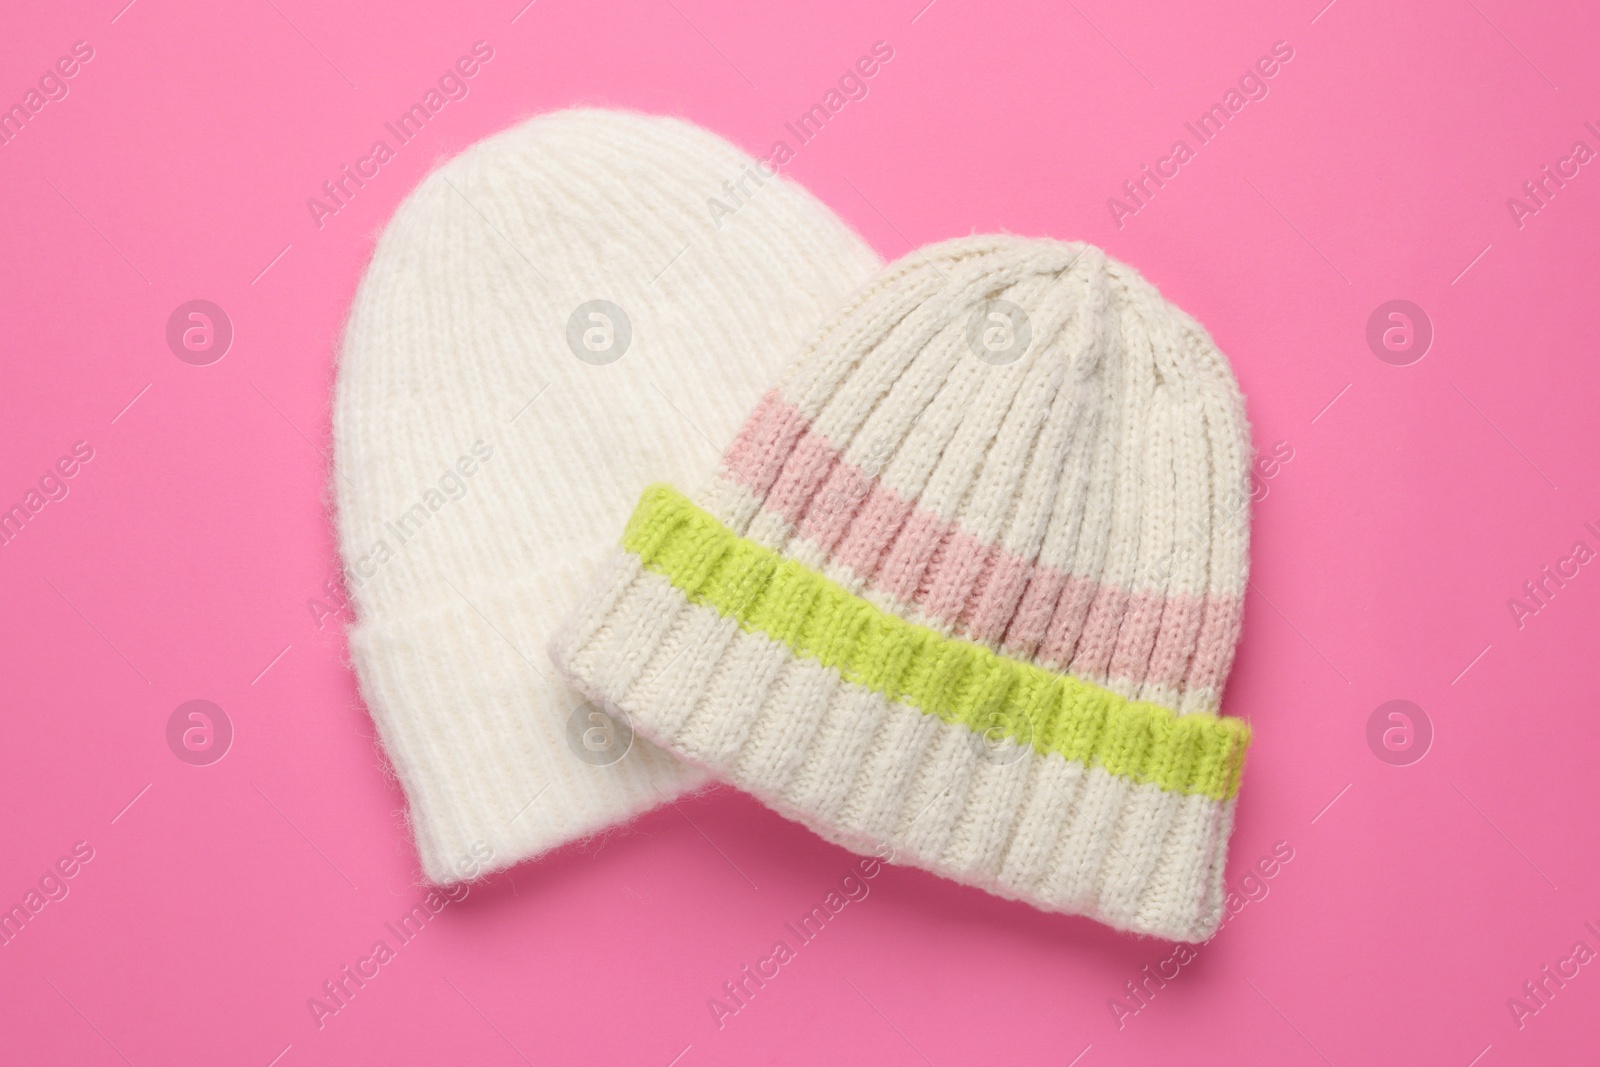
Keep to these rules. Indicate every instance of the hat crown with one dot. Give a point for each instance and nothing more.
(471, 332)
(1021, 443)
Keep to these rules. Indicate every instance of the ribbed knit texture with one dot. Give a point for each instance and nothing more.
(483, 462)
(914, 537)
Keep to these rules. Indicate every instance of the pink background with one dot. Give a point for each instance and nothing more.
(181, 563)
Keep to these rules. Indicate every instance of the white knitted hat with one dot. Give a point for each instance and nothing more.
(966, 588)
(561, 314)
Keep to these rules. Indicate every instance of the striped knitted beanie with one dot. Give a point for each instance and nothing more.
(561, 314)
(965, 589)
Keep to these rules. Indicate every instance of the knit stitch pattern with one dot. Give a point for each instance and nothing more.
(488, 442)
(956, 680)
(973, 611)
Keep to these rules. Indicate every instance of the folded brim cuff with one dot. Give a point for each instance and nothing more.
(499, 758)
(894, 740)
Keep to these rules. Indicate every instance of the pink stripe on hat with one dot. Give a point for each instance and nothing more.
(965, 586)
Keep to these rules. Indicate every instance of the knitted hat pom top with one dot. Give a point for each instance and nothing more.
(965, 589)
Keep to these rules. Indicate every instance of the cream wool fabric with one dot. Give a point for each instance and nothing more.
(1015, 444)
(490, 439)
